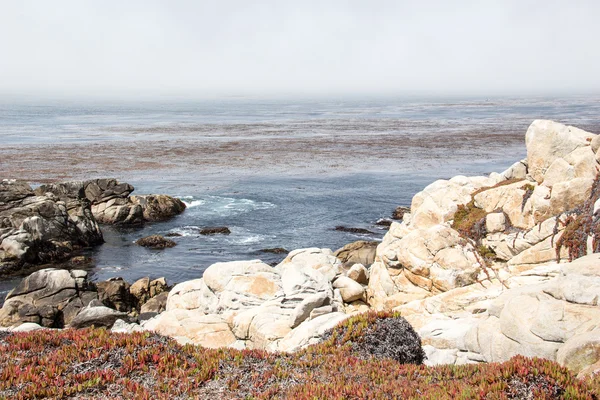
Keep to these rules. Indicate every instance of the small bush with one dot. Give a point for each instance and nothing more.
(469, 221)
(379, 335)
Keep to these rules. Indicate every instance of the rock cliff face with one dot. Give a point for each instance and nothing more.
(480, 267)
(39, 227)
(466, 229)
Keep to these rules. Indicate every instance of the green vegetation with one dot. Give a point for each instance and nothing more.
(486, 252)
(469, 221)
(93, 363)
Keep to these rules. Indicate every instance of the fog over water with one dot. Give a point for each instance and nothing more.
(197, 49)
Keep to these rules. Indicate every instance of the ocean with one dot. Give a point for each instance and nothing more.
(278, 173)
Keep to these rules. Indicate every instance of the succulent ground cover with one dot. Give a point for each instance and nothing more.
(94, 363)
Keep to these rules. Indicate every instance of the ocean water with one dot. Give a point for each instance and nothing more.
(277, 173)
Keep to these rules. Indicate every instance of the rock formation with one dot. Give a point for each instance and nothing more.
(111, 203)
(56, 298)
(40, 227)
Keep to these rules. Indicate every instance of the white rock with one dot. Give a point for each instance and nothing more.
(349, 289)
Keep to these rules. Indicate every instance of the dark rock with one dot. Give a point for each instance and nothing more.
(275, 250)
(216, 230)
(146, 316)
(42, 228)
(158, 207)
(399, 212)
(50, 297)
(155, 242)
(383, 222)
(114, 293)
(360, 252)
(173, 234)
(157, 304)
(353, 230)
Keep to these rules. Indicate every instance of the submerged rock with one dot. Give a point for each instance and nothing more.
(353, 230)
(155, 242)
(275, 250)
(215, 230)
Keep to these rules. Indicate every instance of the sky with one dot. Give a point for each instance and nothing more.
(283, 48)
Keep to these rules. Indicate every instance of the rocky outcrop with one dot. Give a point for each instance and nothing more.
(56, 298)
(49, 297)
(158, 207)
(466, 229)
(38, 227)
(111, 202)
(249, 304)
(551, 312)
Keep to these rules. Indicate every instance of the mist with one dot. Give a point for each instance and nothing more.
(200, 49)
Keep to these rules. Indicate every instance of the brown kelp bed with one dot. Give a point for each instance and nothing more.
(94, 363)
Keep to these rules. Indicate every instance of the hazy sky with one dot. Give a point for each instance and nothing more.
(280, 48)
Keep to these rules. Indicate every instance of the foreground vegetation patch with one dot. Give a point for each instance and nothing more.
(94, 363)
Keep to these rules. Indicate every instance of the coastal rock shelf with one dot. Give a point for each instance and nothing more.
(484, 268)
(54, 221)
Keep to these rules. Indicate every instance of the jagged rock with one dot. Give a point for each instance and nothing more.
(114, 293)
(438, 202)
(554, 316)
(495, 222)
(360, 252)
(423, 262)
(156, 304)
(399, 212)
(275, 250)
(111, 204)
(140, 289)
(41, 229)
(49, 297)
(158, 207)
(155, 242)
(310, 332)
